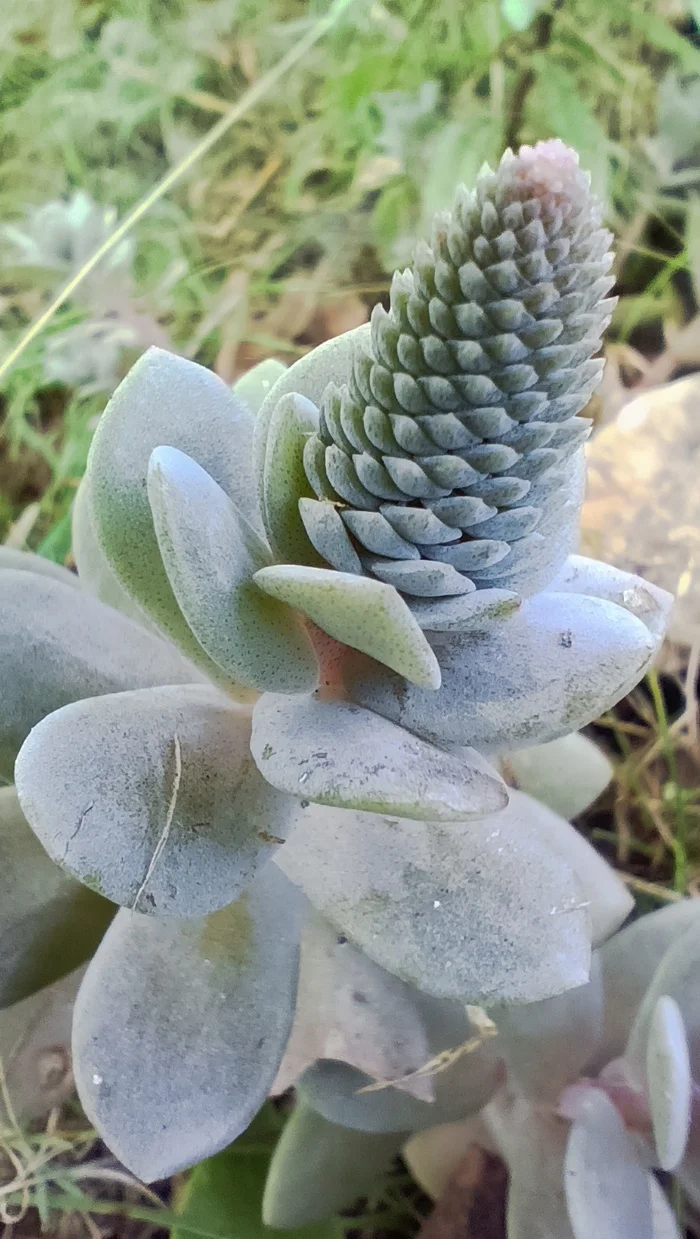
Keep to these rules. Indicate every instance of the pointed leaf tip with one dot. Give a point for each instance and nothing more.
(360, 612)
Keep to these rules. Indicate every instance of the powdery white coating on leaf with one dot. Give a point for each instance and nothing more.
(464, 612)
(554, 666)
(180, 1026)
(567, 774)
(547, 1044)
(629, 960)
(669, 1082)
(164, 400)
(678, 978)
(49, 923)
(359, 612)
(596, 579)
(664, 1219)
(335, 753)
(532, 1143)
(95, 574)
(284, 480)
(319, 1169)
(210, 553)
(309, 377)
(350, 1009)
(153, 798)
(24, 561)
(607, 898)
(57, 645)
(484, 913)
(607, 1189)
(256, 384)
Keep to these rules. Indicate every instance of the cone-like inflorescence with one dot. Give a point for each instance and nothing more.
(448, 448)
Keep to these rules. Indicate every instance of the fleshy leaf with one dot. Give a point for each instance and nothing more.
(253, 386)
(350, 1009)
(193, 1016)
(462, 1086)
(567, 774)
(554, 666)
(164, 400)
(35, 1050)
(338, 754)
(545, 1045)
(49, 923)
(24, 561)
(95, 573)
(330, 362)
(596, 579)
(210, 553)
(669, 1082)
(152, 798)
(629, 960)
(607, 1189)
(284, 480)
(57, 646)
(607, 898)
(360, 612)
(532, 1141)
(319, 1168)
(485, 914)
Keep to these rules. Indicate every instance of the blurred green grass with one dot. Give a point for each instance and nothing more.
(286, 231)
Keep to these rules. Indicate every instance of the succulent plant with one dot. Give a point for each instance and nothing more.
(225, 720)
(599, 1087)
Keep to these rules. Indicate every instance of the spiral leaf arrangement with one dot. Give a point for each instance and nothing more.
(437, 463)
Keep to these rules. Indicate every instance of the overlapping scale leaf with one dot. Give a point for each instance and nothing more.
(336, 753)
(49, 923)
(57, 645)
(567, 774)
(152, 798)
(180, 1026)
(427, 901)
(462, 405)
(607, 1187)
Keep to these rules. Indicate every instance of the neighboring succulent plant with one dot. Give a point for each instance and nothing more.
(601, 1085)
(248, 686)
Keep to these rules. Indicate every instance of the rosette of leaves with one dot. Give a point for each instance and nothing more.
(213, 680)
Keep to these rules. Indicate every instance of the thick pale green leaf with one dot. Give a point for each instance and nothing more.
(57, 645)
(350, 1009)
(153, 798)
(677, 978)
(338, 754)
(180, 1026)
(49, 923)
(434, 1155)
(24, 561)
(285, 481)
(319, 1168)
(552, 667)
(546, 1045)
(485, 913)
(255, 385)
(359, 611)
(164, 400)
(223, 1197)
(96, 576)
(607, 1188)
(669, 1082)
(607, 898)
(330, 362)
(210, 553)
(635, 594)
(629, 960)
(532, 1141)
(461, 1087)
(567, 774)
